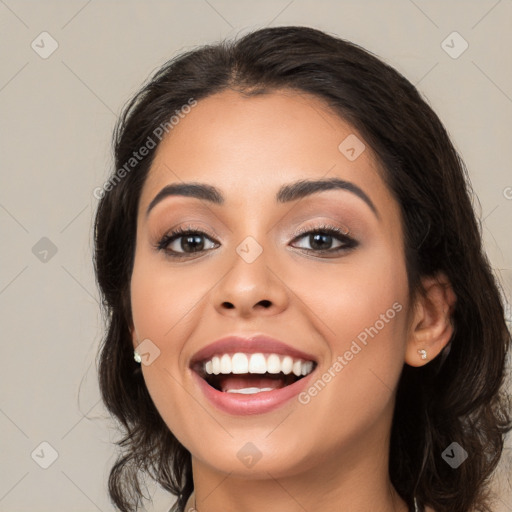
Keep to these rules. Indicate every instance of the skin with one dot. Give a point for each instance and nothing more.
(330, 454)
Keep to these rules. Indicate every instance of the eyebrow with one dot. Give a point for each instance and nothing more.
(286, 193)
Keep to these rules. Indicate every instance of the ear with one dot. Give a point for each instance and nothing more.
(431, 327)
(134, 336)
(131, 327)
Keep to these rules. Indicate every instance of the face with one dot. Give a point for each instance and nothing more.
(322, 272)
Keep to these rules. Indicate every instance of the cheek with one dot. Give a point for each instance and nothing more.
(352, 297)
(162, 299)
(160, 302)
(362, 314)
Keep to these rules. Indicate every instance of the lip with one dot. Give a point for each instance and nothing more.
(249, 345)
(259, 403)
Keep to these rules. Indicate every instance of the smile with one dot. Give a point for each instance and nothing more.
(254, 380)
(252, 373)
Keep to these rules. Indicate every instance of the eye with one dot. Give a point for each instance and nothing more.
(184, 241)
(322, 238)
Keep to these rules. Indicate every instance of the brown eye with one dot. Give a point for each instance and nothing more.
(321, 240)
(181, 242)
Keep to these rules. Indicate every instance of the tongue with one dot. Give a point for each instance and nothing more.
(230, 382)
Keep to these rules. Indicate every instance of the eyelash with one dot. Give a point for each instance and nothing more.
(347, 241)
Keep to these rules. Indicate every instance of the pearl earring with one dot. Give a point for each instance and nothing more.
(422, 353)
(136, 356)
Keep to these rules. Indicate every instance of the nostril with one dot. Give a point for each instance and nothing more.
(265, 303)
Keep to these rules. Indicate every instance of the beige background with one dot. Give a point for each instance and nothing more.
(57, 114)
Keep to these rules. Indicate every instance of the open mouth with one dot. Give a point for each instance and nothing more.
(252, 373)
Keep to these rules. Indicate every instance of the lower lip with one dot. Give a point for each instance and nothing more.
(258, 403)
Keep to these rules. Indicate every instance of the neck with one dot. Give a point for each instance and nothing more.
(357, 484)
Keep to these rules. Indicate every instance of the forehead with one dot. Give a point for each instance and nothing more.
(250, 146)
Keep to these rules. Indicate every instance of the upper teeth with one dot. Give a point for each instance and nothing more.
(256, 363)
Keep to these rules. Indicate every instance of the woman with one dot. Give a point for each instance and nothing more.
(288, 245)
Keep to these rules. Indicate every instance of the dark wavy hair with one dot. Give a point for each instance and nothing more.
(458, 397)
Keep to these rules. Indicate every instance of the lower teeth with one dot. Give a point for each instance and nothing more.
(248, 391)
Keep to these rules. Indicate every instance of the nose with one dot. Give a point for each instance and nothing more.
(252, 288)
